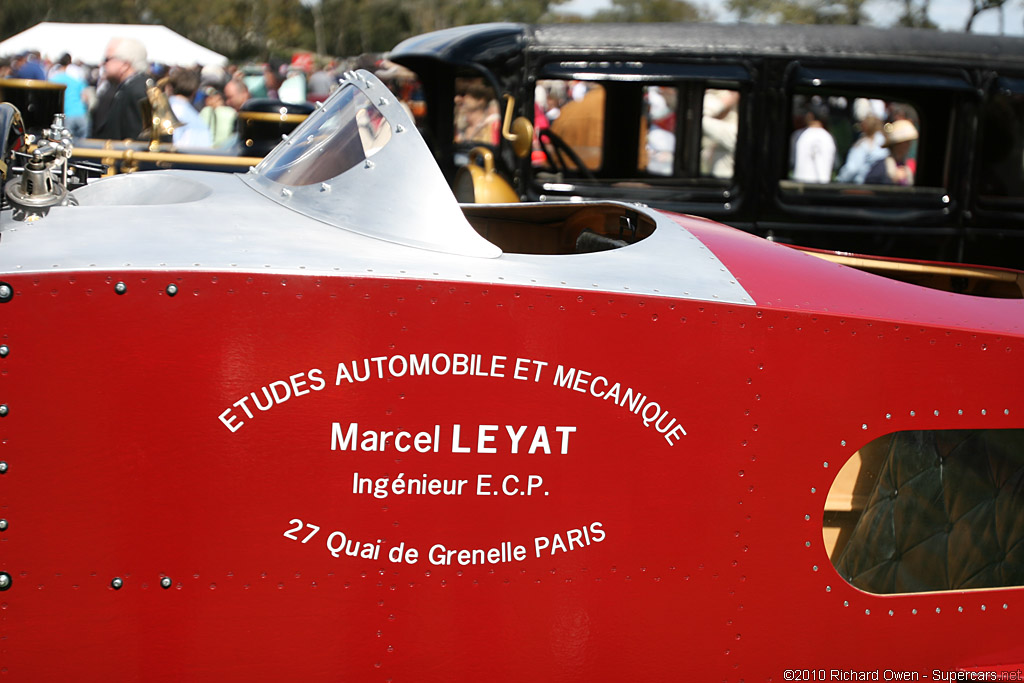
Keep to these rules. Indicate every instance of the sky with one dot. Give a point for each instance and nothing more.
(950, 15)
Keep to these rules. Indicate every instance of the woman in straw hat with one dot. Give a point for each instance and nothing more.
(895, 169)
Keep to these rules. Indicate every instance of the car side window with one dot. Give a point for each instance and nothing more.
(574, 112)
(1001, 152)
(719, 128)
(665, 127)
(842, 138)
(669, 146)
(477, 114)
(661, 104)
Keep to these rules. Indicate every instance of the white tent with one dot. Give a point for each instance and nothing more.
(88, 42)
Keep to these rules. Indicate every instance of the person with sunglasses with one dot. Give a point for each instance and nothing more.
(117, 115)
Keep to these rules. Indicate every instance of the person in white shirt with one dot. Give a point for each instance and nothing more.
(181, 86)
(813, 149)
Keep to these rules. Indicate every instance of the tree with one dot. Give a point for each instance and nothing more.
(979, 6)
(850, 12)
(18, 15)
(650, 10)
(360, 26)
(915, 15)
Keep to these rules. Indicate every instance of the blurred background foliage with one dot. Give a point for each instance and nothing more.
(265, 29)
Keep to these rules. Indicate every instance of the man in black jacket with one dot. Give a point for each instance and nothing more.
(117, 115)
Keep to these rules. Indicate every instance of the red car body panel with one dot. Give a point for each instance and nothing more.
(642, 477)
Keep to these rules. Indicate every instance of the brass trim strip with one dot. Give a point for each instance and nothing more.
(275, 118)
(137, 155)
(862, 263)
(30, 84)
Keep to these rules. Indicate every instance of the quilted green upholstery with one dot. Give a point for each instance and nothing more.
(946, 513)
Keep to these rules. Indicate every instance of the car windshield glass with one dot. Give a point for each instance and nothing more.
(346, 131)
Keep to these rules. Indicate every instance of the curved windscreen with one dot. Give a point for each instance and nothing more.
(359, 164)
(342, 134)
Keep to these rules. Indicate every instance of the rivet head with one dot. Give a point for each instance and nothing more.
(120, 288)
(4, 410)
(4, 350)
(6, 292)
(116, 583)
(5, 581)
(172, 289)
(3, 468)
(3, 525)
(165, 582)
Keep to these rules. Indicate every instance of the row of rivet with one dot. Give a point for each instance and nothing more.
(117, 583)
(122, 288)
(6, 294)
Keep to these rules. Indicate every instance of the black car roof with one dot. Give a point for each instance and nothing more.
(464, 44)
(491, 43)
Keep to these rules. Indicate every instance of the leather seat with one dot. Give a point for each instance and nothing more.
(946, 513)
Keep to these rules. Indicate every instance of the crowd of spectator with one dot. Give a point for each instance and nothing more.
(102, 100)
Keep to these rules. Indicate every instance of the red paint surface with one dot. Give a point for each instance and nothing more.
(120, 467)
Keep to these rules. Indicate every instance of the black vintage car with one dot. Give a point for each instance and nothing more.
(735, 123)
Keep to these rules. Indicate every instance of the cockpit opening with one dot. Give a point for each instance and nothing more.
(554, 229)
